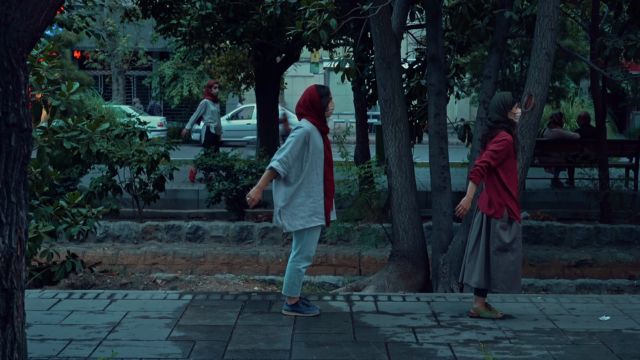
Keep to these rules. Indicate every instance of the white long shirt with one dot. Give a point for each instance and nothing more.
(298, 192)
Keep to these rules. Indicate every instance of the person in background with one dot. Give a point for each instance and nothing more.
(493, 256)
(209, 111)
(585, 129)
(555, 131)
(154, 108)
(137, 105)
(303, 191)
(285, 125)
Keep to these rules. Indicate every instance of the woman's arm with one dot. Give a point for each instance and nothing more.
(196, 115)
(255, 195)
(465, 204)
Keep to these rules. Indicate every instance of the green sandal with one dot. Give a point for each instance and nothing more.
(488, 313)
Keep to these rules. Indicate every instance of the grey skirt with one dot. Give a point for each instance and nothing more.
(493, 257)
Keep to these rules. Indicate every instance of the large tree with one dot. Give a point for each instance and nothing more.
(449, 261)
(407, 268)
(437, 99)
(22, 23)
(260, 29)
(538, 79)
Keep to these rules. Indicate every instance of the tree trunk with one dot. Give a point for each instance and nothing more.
(118, 81)
(267, 90)
(437, 99)
(407, 268)
(269, 64)
(537, 84)
(599, 104)
(451, 260)
(21, 23)
(362, 154)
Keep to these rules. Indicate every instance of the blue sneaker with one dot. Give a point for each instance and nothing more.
(303, 307)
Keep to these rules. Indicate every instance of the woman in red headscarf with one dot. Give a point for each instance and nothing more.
(209, 111)
(303, 191)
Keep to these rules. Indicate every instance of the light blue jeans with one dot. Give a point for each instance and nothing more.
(303, 248)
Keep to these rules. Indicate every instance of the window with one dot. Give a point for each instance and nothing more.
(242, 114)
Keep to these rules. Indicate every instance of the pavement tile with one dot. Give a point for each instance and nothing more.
(459, 334)
(541, 337)
(361, 306)
(360, 350)
(81, 305)
(581, 352)
(39, 304)
(94, 317)
(623, 343)
(603, 309)
(517, 309)
(79, 348)
(527, 321)
(450, 310)
(248, 354)
(264, 319)
(28, 294)
(142, 329)
(324, 337)
(45, 348)
(552, 308)
(46, 317)
(326, 322)
(261, 338)
(207, 315)
(392, 320)
(68, 332)
(208, 350)
(500, 351)
(143, 349)
(201, 332)
(333, 306)
(404, 307)
(405, 351)
(591, 322)
(391, 334)
(147, 305)
(256, 306)
(153, 315)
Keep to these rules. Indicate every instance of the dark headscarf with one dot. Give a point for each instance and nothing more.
(499, 107)
(312, 107)
(207, 91)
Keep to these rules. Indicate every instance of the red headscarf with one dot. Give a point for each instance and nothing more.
(208, 94)
(310, 107)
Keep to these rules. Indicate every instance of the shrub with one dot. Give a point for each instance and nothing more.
(228, 178)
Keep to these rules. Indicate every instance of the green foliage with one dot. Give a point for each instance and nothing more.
(74, 135)
(228, 178)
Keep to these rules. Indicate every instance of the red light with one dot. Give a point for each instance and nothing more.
(60, 10)
(77, 54)
(160, 124)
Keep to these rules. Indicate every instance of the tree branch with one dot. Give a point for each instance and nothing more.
(576, 19)
(588, 62)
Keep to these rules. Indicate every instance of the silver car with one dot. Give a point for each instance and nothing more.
(239, 125)
(156, 126)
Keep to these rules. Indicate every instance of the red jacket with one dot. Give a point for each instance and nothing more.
(497, 167)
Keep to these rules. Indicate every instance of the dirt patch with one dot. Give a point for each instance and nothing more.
(109, 280)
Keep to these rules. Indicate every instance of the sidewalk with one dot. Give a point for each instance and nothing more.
(171, 325)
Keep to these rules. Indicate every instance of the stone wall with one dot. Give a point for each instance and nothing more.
(221, 232)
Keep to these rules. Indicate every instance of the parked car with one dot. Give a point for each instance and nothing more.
(156, 126)
(239, 125)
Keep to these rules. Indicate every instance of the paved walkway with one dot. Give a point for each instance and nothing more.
(173, 325)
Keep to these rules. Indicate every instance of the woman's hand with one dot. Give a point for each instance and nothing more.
(184, 132)
(254, 196)
(463, 207)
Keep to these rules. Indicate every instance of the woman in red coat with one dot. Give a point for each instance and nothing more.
(493, 257)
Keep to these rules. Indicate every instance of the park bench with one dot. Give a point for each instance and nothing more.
(622, 154)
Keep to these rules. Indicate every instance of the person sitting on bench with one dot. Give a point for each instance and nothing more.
(555, 131)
